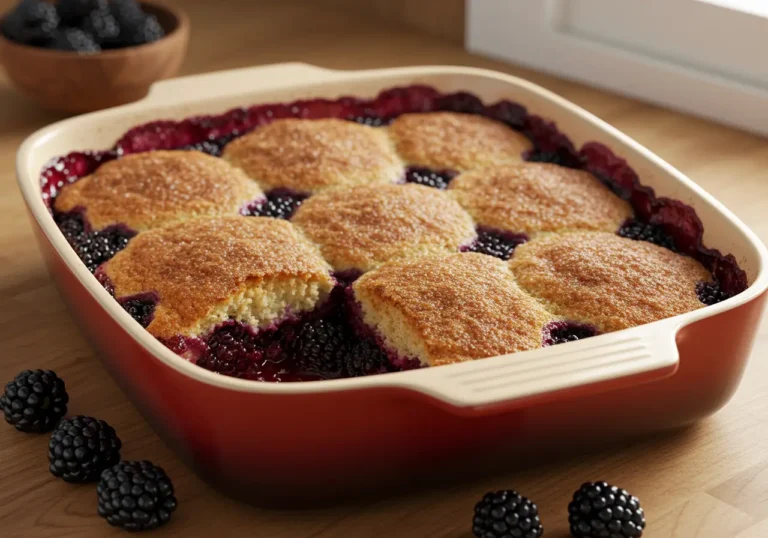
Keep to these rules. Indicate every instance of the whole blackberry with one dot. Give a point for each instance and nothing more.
(643, 231)
(127, 13)
(32, 22)
(75, 40)
(365, 358)
(319, 347)
(72, 12)
(710, 293)
(438, 179)
(146, 31)
(102, 25)
(97, 247)
(81, 448)
(34, 401)
(278, 205)
(506, 514)
(600, 510)
(135, 496)
(496, 243)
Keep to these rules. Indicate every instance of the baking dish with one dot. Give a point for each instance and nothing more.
(324, 438)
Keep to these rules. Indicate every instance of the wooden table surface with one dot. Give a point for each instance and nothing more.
(710, 480)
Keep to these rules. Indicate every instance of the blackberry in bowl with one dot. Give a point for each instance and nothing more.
(77, 56)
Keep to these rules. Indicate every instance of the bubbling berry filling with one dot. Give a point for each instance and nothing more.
(93, 247)
(278, 204)
(645, 231)
(212, 147)
(347, 277)
(496, 243)
(371, 120)
(437, 179)
(560, 332)
(711, 293)
(141, 307)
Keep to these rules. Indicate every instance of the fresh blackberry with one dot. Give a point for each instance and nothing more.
(146, 31)
(97, 247)
(642, 231)
(127, 13)
(211, 147)
(560, 332)
(32, 22)
(600, 510)
(102, 25)
(711, 293)
(280, 204)
(319, 347)
(141, 307)
(370, 120)
(364, 357)
(34, 401)
(496, 243)
(81, 448)
(135, 496)
(75, 40)
(73, 12)
(438, 179)
(506, 514)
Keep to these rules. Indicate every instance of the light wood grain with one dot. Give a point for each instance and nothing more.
(710, 480)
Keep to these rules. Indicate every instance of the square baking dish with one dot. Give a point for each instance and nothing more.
(343, 437)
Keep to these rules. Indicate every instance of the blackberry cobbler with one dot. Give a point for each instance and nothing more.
(327, 239)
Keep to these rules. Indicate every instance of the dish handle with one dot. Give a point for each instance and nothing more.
(606, 362)
(233, 81)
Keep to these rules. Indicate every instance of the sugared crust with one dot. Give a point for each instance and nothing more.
(365, 226)
(446, 309)
(448, 140)
(535, 197)
(152, 189)
(197, 267)
(309, 155)
(606, 280)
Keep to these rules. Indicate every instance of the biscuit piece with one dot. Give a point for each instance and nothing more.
(446, 309)
(448, 140)
(366, 226)
(255, 270)
(534, 197)
(608, 281)
(306, 156)
(156, 188)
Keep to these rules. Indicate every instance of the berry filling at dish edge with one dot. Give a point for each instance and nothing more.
(329, 342)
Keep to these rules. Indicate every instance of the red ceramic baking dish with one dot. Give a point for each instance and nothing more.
(347, 436)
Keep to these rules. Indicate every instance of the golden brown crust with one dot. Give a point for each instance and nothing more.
(606, 280)
(195, 266)
(365, 226)
(451, 308)
(448, 140)
(152, 189)
(309, 155)
(536, 197)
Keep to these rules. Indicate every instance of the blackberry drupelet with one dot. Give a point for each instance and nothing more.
(438, 179)
(364, 357)
(279, 204)
(711, 293)
(34, 401)
(506, 514)
(81, 448)
(135, 496)
(319, 347)
(600, 510)
(496, 243)
(642, 231)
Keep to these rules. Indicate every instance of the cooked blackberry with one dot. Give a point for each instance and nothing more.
(600, 510)
(280, 204)
(711, 293)
(506, 514)
(95, 248)
(72, 12)
(72, 225)
(233, 351)
(102, 25)
(81, 448)
(438, 179)
(461, 102)
(560, 157)
(507, 112)
(560, 332)
(211, 147)
(75, 40)
(320, 346)
(643, 231)
(364, 357)
(135, 496)
(34, 401)
(32, 22)
(495, 243)
(370, 120)
(140, 307)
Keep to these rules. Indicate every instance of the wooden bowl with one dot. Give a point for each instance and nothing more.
(75, 83)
